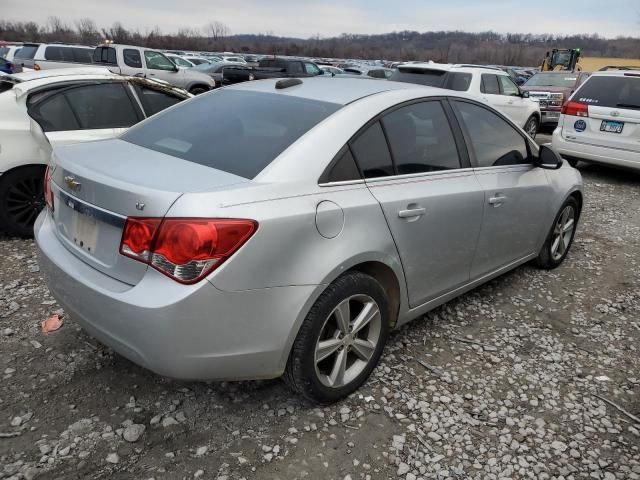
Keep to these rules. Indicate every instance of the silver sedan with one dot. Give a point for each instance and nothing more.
(283, 227)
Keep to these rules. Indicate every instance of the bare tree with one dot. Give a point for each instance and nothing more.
(87, 31)
(217, 32)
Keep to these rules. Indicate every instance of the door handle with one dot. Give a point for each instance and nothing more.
(497, 200)
(412, 212)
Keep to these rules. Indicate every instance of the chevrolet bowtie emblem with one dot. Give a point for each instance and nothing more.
(72, 183)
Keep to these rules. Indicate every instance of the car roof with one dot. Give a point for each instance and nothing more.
(617, 73)
(61, 72)
(446, 67)
(337, 90)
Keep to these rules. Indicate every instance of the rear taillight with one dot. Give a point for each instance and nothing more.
(48, 192)
(36, 66)
(575, 109)
(185, 249)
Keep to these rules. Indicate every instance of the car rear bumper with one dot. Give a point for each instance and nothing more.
(596, 154)
(191, 332)
(549, 117)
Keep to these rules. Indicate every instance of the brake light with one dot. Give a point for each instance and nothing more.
(48, 192)
(575, 109)
(184, 249)
(36, 66)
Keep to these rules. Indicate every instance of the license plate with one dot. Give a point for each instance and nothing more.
(611, 126)
(85, 232)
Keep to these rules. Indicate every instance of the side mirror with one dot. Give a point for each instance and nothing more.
(525, 94)
(548, 158)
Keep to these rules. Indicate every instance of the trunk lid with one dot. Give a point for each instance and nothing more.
(98, 185)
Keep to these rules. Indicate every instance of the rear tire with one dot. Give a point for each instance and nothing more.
(532, 126)
(331, 359)
(21, 199)
(198, 90)
(558, 242)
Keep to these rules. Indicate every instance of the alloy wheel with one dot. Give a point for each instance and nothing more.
(347, 341)
(562, 232)
(531, 128)
(25, 200)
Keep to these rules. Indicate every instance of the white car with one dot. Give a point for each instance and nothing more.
(601, 121)
(69, 106)
(234, 59)
(8, 51)
(491, 84)
(56, 55)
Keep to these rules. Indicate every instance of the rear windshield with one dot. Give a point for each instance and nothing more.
(26, 52)
(105, 55)
(457, 81)
(4, 51)
(613, 92)
(552, 80)
(238, 132)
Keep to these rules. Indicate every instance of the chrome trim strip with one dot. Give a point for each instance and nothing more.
(84, 208)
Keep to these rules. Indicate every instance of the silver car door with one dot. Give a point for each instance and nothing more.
(432, 205)
(516, 193)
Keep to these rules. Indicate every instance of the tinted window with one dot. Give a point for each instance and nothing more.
(295, 67)
(4, 51)
(26, 52)
(68, 54)
(154, 101)
(54, 53)
(132, 58)
(421, 139)
(493, 140)
(430, 78)
(239, 132)
(457, 81)
(343, 169)
(490, 84)
(54, 114)
(105, 55)
(157, 61)
(372, 153)
(620, 92)
(508, 87)
(102, 106)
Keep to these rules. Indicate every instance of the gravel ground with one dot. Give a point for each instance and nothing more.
(508, 381)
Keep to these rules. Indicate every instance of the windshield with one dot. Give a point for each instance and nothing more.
(239, 132)
(552, 80)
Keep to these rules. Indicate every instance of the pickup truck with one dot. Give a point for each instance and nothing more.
(552, 89)
(147, 63)
(271, 68)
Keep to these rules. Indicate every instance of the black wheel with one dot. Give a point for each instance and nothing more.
(340, 340)
(532, 125)
(560, 238)
(572, 161)
(198, 90)
(21, 199)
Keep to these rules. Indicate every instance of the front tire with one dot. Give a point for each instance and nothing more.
(558, 242)
(198, 90)
(532, 126)
(21, 199)
(341, 339)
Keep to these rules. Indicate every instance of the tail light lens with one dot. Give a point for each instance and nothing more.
(36, 66)
(184, 249)
(575, 109)
(48, 192)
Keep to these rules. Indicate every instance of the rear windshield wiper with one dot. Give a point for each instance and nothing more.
(628, 105)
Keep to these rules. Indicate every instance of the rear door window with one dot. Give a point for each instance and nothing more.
(82, 55)
(239, 132)
(489, 84)
(102, 106)
(26, 52)
(372, 153)
(154, 101)
(458, 81)
(344, 168)
(132, 58)
(611, 92)
(421, 139)
(493, 141)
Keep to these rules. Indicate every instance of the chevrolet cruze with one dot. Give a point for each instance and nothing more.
(283, 227)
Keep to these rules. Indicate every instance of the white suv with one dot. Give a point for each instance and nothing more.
(492, 85)
(601, 121)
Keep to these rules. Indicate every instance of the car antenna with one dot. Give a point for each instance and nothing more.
(287, 82)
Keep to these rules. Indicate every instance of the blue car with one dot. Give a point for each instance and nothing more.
(7, 67)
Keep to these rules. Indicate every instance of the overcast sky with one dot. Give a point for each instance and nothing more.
(304, 18)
